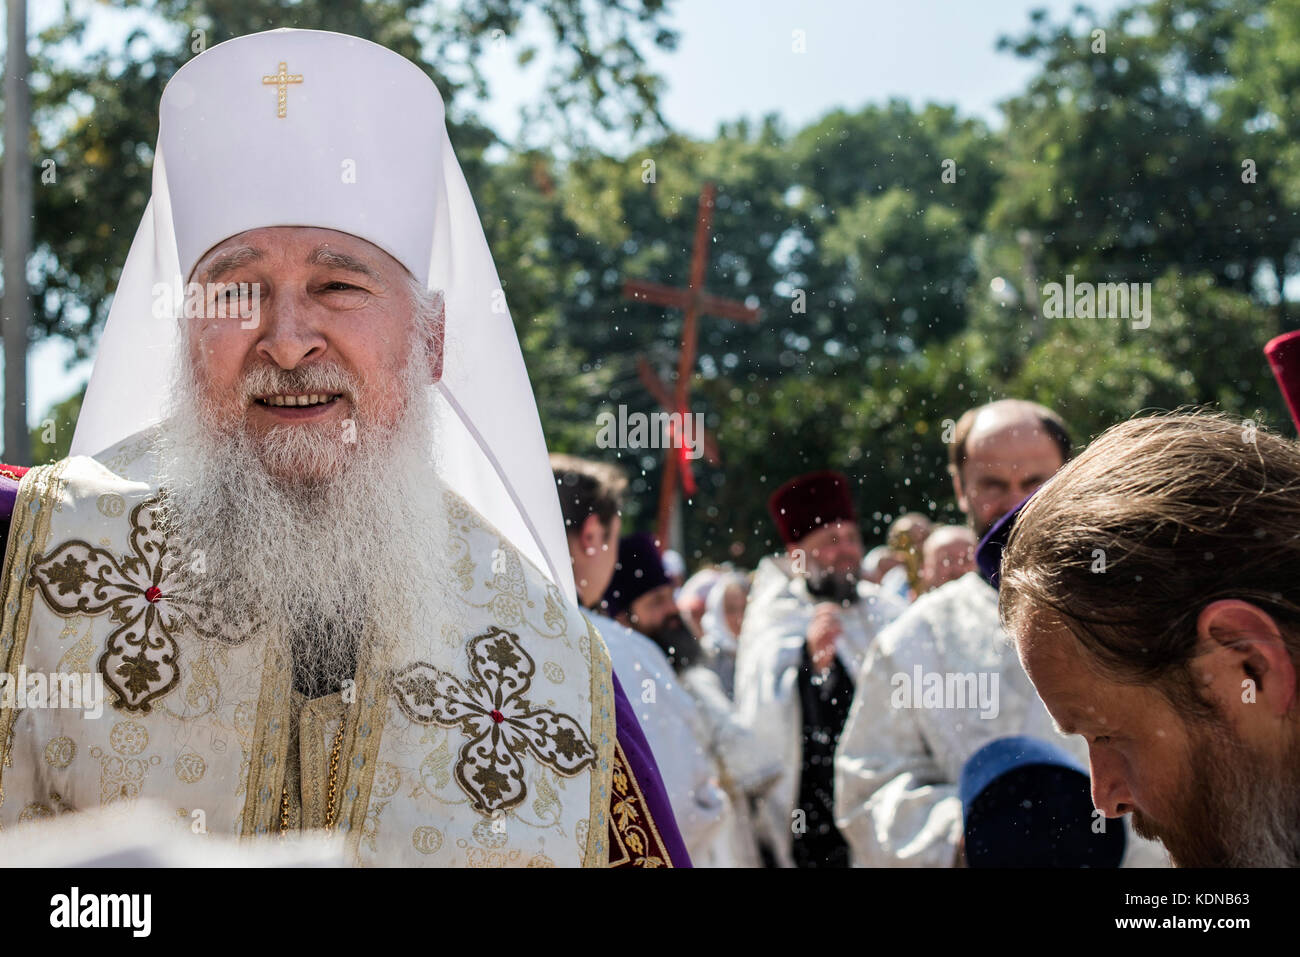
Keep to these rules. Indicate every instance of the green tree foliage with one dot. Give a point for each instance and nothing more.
(1124, 165)
(52, 437)
(894, 297)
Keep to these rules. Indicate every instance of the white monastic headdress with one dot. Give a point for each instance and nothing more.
(307, 128)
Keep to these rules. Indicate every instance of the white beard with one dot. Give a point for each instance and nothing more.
(349, 567)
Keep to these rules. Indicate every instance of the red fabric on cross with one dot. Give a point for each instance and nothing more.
(677, 441)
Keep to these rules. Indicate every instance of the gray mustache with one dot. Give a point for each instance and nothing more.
(265, 380)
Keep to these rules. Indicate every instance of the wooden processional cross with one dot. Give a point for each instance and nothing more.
(695, 301)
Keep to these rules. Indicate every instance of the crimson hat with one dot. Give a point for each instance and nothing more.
(804, 504)
(1284, 357)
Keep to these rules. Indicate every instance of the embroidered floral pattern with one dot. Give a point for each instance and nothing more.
(634, 839)
(502, 725)
(140, 592)
(502, 586)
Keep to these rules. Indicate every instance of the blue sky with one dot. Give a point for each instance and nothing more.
(735, 59)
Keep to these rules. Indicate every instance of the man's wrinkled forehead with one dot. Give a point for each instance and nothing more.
(830, 531)
(320, 247)
(1077, 700)
(1049, 651)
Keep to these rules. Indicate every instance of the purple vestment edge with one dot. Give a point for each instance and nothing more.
(643, 766)
(8, 497)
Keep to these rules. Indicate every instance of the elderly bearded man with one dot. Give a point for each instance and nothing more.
(1175, 661)
(323, 575)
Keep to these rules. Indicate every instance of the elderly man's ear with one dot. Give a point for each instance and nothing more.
(437, 332)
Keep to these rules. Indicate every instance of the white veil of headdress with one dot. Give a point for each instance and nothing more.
(309, 128)
(716, 635)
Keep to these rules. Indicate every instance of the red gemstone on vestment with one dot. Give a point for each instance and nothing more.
(152, 593)
(498, 717)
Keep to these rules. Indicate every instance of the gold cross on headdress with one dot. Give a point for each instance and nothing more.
(282, 80)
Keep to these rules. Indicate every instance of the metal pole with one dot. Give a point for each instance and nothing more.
(16, 194)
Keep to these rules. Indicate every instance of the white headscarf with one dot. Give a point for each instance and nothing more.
(357, 142)
(717, 636)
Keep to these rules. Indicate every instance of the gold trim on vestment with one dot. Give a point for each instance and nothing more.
(270, 746)
(604, 729)
(365, 726)
(636, 844)
(317, 723)
(29, 527)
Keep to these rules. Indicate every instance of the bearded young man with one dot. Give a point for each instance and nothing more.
(1151, 592)
(314, 551)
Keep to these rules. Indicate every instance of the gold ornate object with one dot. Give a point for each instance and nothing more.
(331, 798)
(906, 541)
(331, 794)
(281, 80)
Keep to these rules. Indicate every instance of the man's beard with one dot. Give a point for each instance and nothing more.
(678, 643)
(348, 567)
(1238, 809)
(829, 584)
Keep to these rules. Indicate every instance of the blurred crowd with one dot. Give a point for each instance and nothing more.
(936, 701)
(748, 681)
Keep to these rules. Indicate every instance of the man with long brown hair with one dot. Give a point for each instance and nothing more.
(1151, 590)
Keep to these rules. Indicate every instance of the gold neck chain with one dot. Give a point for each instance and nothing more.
(331, 795)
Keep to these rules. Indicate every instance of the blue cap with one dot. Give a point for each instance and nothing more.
(1027, 803)
(1005, 754)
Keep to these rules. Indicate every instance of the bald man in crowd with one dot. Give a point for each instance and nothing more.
(900, 756)
(948, 553)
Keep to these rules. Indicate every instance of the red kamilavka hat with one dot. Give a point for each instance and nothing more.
(804, 504)
(1284, 358)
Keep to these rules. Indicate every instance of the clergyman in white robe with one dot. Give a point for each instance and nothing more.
(771, 647)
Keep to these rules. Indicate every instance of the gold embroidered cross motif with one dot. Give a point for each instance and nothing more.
(501, 723)
(281, 80)
(141, 591)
